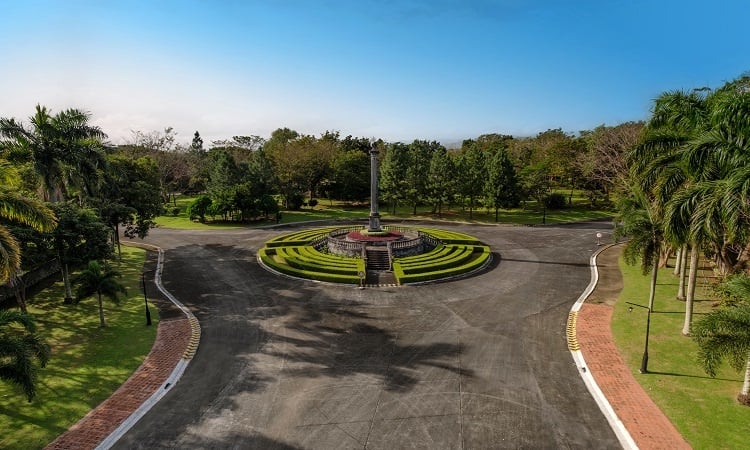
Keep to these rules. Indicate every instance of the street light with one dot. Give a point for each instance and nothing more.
(145, 298)
(644, 360)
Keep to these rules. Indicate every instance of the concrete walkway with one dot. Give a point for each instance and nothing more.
(646, 424)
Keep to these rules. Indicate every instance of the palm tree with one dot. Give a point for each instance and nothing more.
(65, 152)
(20, 346)
(62, 148)
(102, 281)
(19, 209)
(725, 334)
(639, 219)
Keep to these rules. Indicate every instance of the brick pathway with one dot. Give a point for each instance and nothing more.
(173, 339)
(647, 425)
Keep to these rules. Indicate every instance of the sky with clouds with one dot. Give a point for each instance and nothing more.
(397, 70)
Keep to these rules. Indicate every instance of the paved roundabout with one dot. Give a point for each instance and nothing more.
(480, 362)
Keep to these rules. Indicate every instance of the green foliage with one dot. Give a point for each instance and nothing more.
(88, 363)
(101, 280)
(21, 349)
(63, 149)
(198, 208)
(721, 335)
(555, 200)
(502, 188)
(472, 170)
(351, 176)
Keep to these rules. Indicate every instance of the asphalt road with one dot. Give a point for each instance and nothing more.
(476, 363)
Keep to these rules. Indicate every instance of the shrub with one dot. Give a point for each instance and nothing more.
(555, 201)
(313, 203)
(198, 208)
(176, 211)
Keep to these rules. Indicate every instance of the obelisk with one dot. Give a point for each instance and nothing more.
(374, 223)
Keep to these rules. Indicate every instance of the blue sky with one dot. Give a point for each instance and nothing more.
(397, 70)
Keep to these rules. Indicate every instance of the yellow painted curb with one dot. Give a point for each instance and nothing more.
(571, 332)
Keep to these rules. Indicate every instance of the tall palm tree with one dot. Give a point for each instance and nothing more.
(102, 281)
(65, 152)
(18, 209)
(639, 219)
(20, 348)
(64, 149)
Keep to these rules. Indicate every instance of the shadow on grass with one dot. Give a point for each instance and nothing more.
(685, 375)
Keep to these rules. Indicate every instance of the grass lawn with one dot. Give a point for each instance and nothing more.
(332, 210)
(87, 364)
(703, 409)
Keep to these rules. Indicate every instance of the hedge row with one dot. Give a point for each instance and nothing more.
(452, 237)
(460, 255)
(477, 257)
(296, 267)
(299, 237)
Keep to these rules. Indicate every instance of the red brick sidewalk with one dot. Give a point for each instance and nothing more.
(172, 341)
(647, 425)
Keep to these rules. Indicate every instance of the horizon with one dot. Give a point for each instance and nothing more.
(443, 70)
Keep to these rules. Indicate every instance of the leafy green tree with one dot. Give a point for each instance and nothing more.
(80, 236)
(392, 178)
(198, 208)
(130, 197)
(101, 280)
(472, 175)
(418, 170)
(351, 175)
(503, 188)
(537, 186)
(64, 149)
(197, 144)
(21, 349)
(441, 182)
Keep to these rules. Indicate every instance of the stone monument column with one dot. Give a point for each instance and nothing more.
(374, 222)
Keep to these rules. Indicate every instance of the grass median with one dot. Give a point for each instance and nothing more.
(703, 409)
(87, 363)
(337, 210)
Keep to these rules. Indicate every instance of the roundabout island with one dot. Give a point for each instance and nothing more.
(375, 255)
(392, 255)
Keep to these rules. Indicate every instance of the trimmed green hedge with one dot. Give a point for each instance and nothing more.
(291, 254)
(271, 261)
(452, 237)
(481, 253)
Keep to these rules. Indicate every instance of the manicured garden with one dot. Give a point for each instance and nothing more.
(293, 254)
(87, 363)
(704, 409)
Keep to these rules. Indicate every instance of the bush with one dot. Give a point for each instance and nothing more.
(176, 211)
(313, 203)
(198, 208)
(555, 201)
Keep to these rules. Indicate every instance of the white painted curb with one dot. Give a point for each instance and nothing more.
(173, 378)
(626, 440)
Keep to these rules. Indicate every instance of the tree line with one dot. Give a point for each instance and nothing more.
(688, 194)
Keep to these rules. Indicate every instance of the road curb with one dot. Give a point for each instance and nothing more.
(179, 369)
(626, 440)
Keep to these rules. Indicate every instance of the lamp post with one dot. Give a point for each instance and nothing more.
(644, 360)
(145, 298)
